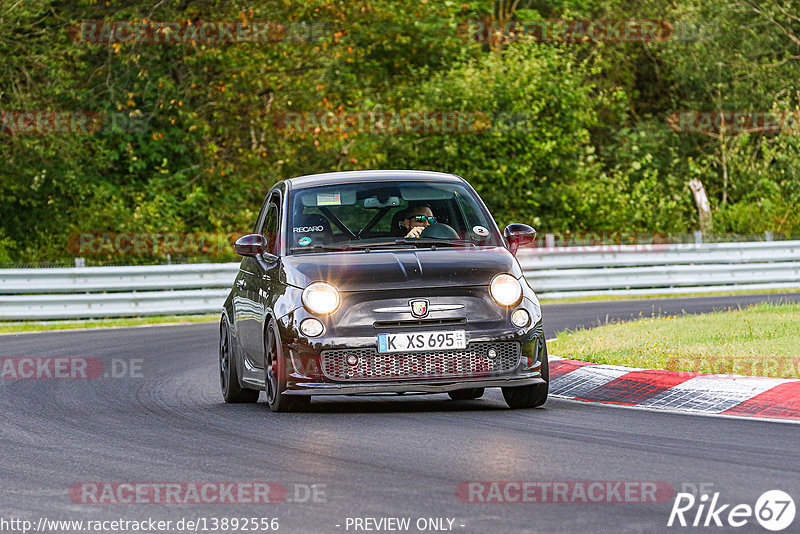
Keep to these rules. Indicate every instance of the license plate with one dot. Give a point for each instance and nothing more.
(418, 341)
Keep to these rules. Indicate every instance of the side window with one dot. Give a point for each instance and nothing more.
(470, 217)
(260, 219)
(271, 225)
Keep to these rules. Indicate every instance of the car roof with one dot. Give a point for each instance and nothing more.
(313, 180)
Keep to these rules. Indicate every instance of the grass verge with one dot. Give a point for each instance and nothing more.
(41, 326)
(759, 340)
(544, 298)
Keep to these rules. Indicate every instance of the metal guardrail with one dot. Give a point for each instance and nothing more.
(134, 278)
(662, 269)
(91, 292)
(557, 273)
(127, 304)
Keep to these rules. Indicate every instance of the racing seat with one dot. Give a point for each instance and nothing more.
(313, 226)
(398, 228)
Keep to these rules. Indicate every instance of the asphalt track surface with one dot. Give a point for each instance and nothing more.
(376, 457)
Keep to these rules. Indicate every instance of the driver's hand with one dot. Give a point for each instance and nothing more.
(414, 232)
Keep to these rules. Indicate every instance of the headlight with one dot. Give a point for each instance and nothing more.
(321, 298)
(311, 327)
(505, 289)
(520, 318)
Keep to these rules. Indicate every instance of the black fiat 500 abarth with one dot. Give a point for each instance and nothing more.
(380, 282)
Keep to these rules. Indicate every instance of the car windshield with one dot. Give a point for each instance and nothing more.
(388, 214)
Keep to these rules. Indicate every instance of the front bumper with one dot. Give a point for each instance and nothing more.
(357, 327)
(405, 386)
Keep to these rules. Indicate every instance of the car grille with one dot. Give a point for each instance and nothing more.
(418, 322)
(471, 362)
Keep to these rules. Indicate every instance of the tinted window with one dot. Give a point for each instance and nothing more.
(354, 214)
(270, 227)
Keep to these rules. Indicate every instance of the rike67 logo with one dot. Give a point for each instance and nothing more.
(774, 510)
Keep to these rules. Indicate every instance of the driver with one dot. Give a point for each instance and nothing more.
(419, 217)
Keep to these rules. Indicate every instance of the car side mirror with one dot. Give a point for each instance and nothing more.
(252, 245)
(518, 235)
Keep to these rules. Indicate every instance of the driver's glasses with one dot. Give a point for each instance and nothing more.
(423, 218)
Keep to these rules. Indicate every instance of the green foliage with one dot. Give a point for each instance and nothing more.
(540, 104)
(594, 151)
(5, 248)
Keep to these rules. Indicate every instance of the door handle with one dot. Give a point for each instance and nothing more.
(241, 283)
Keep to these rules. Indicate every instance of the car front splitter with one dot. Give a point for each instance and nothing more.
(398, 386)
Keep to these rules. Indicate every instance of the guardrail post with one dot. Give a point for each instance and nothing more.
(550, 241)
(698, 238)
(767, 236)
(80, 262)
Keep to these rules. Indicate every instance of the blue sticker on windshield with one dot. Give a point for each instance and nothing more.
(304, 241)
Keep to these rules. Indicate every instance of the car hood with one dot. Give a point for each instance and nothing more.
(400, 269)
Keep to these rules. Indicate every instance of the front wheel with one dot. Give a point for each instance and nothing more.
(525, 396)
(232, 391)
(534, 395)
(275, 375)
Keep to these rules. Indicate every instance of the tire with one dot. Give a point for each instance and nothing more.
(275, 375)
(232, 391)
(466, 394)
(530, 396)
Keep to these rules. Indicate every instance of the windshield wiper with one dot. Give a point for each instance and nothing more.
(404, 242)
(435, 242)
(320, 248)
(381, 244)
